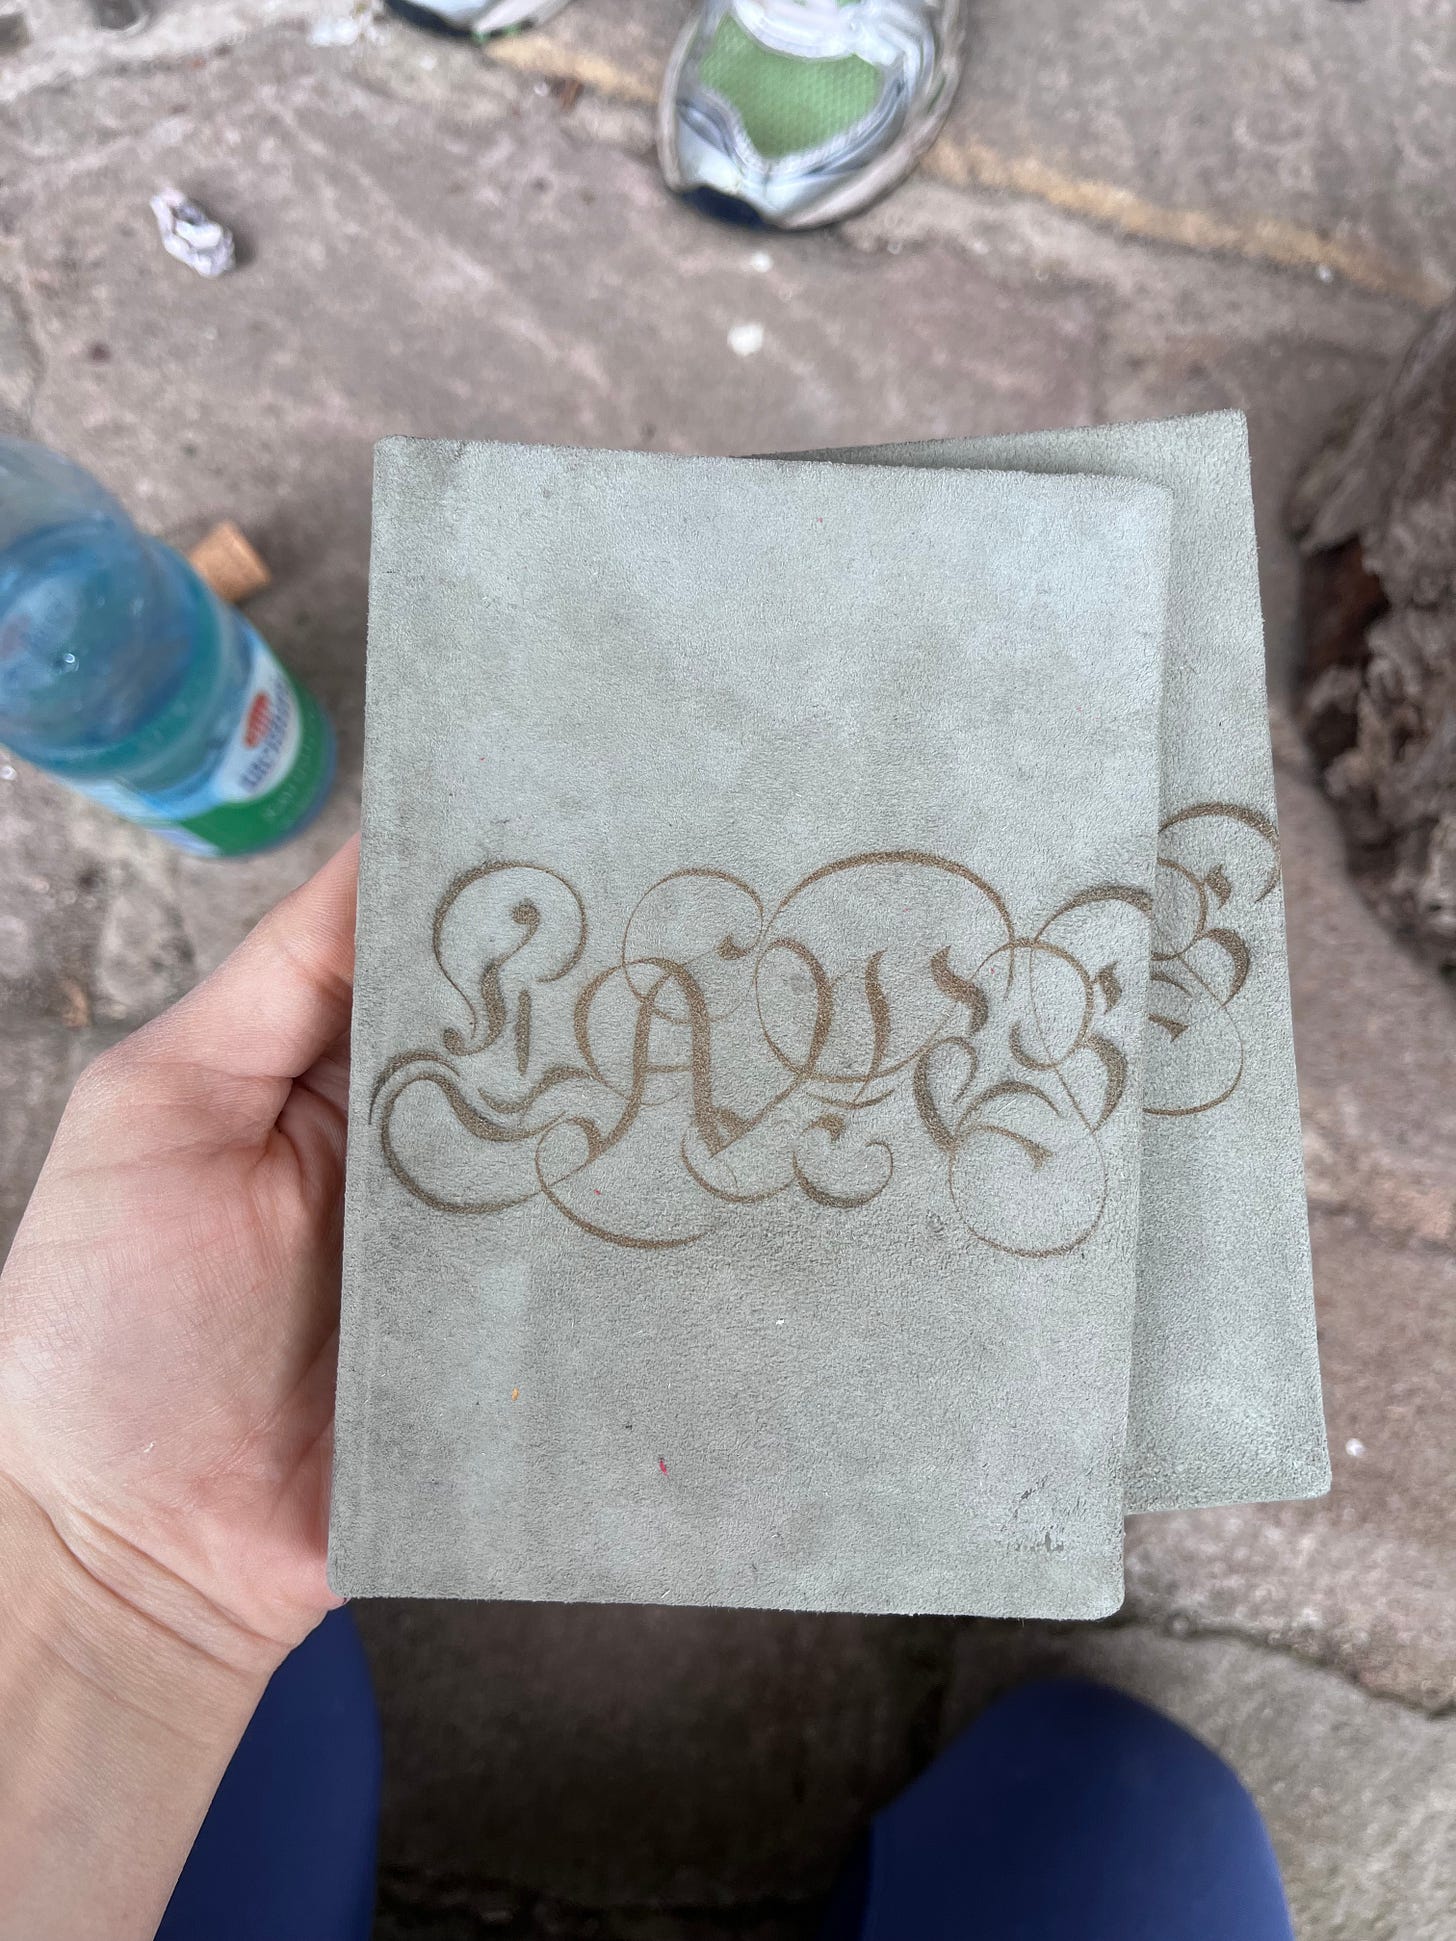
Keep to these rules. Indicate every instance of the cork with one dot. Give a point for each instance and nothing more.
(229, 564)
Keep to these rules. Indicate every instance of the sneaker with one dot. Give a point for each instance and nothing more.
(478, 18)
(801, 112)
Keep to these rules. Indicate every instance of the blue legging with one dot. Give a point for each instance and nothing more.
(287, 1850)
(1065, 1813)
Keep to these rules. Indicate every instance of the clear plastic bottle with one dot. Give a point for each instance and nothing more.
(125, 676)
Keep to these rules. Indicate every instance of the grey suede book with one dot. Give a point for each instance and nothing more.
(1225, 1404)
(753, 964)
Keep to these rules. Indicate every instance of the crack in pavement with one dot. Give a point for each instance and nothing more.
(1183, 1629)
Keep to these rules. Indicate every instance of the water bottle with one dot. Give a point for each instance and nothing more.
(124, 675)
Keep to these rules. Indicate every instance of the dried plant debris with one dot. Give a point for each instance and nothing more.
(1376, 516)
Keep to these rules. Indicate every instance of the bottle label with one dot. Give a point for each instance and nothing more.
(268, 775)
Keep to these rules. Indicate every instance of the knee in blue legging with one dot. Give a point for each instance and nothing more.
(1069, 1812)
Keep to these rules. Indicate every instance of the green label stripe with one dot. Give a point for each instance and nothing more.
(233, 828)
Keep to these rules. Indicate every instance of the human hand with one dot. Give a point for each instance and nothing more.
(168, 1325)
(169, 1310)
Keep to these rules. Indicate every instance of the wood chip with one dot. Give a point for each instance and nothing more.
(75, 1004)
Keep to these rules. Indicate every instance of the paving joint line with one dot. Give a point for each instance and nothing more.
(962, 163)
(1270, 242)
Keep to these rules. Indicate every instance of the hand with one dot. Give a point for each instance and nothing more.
(168, 1331)
(169, 1311)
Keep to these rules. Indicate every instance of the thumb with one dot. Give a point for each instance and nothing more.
(282, 998)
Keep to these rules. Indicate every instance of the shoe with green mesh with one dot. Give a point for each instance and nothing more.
(804, 111)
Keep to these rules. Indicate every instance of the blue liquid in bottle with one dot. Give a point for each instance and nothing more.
(125, 676)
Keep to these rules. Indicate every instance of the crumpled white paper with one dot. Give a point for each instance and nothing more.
(191, 235)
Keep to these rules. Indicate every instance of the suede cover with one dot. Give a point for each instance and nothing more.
(1225, 1405)
(753, 957)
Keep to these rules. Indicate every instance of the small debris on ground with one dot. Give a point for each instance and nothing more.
(14, 32)
(346, 30)
(746, 339)
(229, 563)
(191, 235)
(567, 91)
(75, 1004)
